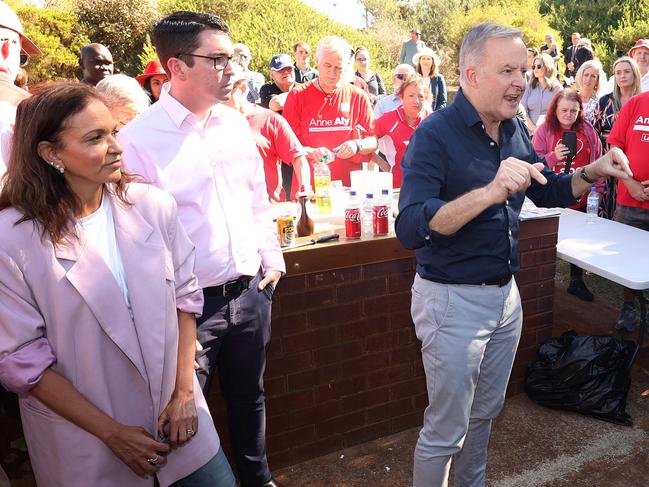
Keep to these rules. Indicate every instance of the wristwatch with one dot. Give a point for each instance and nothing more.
(584, 176)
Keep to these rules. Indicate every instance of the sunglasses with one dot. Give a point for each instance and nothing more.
(24, 57)
(538, 66)
(400, 76)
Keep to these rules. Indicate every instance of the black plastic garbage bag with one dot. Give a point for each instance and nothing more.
(587, 374)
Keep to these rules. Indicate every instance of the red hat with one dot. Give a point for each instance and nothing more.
(153, 68)
(639, 43)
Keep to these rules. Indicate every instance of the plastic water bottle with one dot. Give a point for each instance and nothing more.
(322, 183)
(367, 217)
(592, 205)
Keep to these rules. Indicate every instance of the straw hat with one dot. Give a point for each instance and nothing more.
(153, 68)
(427, 51)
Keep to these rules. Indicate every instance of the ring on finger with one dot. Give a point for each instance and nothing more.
(154, 460)
(190, 432)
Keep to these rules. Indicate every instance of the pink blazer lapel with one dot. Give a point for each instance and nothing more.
(147, 268)
(91, 277)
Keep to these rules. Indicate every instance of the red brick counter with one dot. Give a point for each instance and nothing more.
(344, 364)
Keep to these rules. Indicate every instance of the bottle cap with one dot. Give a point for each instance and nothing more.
(385, 191)
(352, 193)
(369, 195)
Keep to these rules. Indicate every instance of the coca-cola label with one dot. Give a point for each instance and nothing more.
(380, 219)
(353, 223)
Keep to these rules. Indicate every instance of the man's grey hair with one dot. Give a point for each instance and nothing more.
(336, 45)
(473, 45)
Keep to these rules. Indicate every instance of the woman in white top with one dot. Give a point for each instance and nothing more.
(589, 83)
(541, 89)
(97, 308)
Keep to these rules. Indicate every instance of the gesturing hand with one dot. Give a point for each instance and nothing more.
(133, 445)
(514, 176)
(181, 415)
(614, 163)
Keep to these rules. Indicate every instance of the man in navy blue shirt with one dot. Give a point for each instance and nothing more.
(465, 175)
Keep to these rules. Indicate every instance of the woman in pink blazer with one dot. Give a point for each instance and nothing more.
(97, 309)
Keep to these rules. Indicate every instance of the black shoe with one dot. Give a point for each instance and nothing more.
(626, 319)
(578, 288)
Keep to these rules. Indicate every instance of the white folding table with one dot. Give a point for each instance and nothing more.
(615, 251)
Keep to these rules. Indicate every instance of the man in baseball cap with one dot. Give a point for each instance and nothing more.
(273, 94)
(640, 52)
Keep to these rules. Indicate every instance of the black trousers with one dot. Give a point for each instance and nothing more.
(235, 332)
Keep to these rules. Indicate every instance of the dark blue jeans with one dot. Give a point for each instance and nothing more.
(215, 473)
(234, 333)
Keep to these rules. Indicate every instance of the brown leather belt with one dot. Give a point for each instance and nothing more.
(500, 282)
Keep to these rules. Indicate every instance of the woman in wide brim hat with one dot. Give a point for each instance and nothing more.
(427, 64)
(152, 79)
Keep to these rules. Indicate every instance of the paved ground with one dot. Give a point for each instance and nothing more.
(531, 446)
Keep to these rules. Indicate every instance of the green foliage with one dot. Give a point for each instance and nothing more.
(226, 9)
(121, 25)
(274, 26)
(59, 36)
(611, 25)
(148, 54)
(520, 14)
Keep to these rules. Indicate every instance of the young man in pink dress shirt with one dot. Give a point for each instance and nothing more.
(201, 151)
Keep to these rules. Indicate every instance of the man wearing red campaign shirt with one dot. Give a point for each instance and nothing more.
(631, 134)
(330, 116)
(275, 142)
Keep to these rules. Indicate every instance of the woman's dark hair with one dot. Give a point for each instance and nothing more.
(177, 34)
(30, 185)
(551, 115)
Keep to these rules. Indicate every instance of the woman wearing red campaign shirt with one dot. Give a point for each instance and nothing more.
(565, 114)
(330, 116)
(398, 125)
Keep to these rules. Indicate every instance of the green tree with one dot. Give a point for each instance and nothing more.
(121, 25)
(521, 14)
(607, 23)
(59, 36)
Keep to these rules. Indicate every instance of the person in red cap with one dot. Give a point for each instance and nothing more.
(640, 53)
(152, 79)
(15, 50)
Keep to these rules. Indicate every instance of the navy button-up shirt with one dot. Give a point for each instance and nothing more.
(449, 155)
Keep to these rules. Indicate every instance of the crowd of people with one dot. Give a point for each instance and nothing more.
(139, 254)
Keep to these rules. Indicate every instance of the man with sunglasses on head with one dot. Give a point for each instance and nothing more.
(201, 151)
(391, 102)
(15, 49)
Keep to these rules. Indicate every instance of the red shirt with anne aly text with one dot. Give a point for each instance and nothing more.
(328, 120)
(631, 134)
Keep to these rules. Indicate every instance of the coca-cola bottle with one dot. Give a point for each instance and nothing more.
(305, 225)
(380, 214)
(353, 217)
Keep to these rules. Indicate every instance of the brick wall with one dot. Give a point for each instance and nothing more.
(344, 364)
